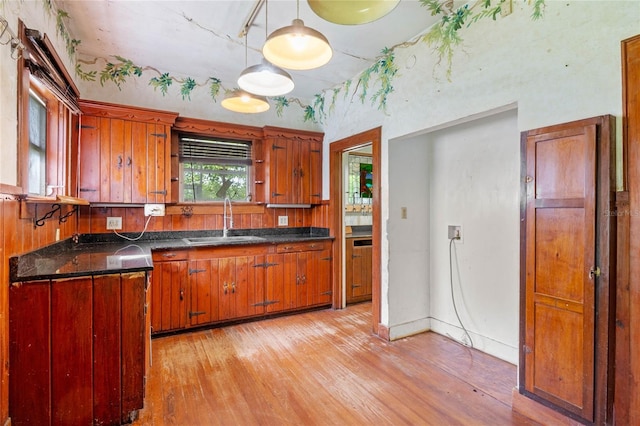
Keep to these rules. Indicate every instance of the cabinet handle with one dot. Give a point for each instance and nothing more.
(295, 172)
(168, 255)
(181, 294)
(225, 286)
(301, 173)
(233, 287)
(129, 161)
(119, 163)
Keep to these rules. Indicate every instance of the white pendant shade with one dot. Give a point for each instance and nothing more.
(297, 47)
(265, 79)
(241, 101)
(352, 12)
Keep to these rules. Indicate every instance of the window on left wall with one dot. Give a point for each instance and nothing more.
(47, 104)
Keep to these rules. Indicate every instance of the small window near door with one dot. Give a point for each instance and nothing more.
(37, 145)
(212, 169)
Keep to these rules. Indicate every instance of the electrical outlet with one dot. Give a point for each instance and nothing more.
(114, 223)
(283, 220)
(154, 209)
(403, 212)
(454, 232)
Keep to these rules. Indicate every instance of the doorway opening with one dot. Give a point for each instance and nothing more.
(338, 150)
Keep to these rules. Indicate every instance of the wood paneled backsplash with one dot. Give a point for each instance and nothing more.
(195, 218)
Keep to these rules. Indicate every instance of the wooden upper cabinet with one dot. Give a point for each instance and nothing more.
(124, 154)
(293, 166)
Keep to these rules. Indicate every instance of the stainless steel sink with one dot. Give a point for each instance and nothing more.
(202, 241)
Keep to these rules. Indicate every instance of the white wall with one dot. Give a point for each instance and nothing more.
(409, 171)
(563, 67)
(475, 182)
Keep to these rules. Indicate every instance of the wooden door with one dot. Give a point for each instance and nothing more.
(203, 292)
(89, 161)
(158, 164)
(277, 296)
(71, 351)
(30, 353)
(281, 182)
(358, 275)
(319, 276)
(315, 172)
(563, 264)
(302, 172)
(169, 295)
(304, 273)
(132, 369)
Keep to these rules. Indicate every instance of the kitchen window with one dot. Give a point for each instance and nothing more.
(212, 169)
(47, 102)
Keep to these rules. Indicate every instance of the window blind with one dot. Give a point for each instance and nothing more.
(214, 151)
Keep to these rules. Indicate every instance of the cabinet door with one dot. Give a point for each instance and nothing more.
(304, 276)
(71, 351)
(133, 344)
(281, 163)
(89, 162)
(106, 348)
(314, 173)
(30, 353)
(203, 292)
(157, 164)
(319, 277)
(277, 299)
(169, 307)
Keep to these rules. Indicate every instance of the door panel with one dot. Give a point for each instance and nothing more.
(560, 252)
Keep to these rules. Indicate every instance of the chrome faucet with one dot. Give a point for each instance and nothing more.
(224, 219)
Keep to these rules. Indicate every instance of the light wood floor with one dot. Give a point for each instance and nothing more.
(324, 368)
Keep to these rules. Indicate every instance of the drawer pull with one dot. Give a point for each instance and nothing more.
(169, 255)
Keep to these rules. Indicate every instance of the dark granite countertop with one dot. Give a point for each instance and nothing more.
(100, 254)
(359, 231)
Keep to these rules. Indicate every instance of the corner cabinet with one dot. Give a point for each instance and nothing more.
(293, 166)
(77, 349)
(124, 154)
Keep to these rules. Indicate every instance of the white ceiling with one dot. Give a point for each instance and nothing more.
(201, 39)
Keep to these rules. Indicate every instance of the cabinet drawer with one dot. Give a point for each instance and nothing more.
(305, 246)
(169, 255)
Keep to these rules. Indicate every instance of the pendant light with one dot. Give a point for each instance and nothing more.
(240, 101)
(352, 12)
(264, 79)
(297, 47)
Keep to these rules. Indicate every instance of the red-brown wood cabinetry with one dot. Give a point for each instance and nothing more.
(210, 285)
(124, 154)
(77, 349)
(293, 165)
(307, 273)
(169, 295)
(358, 255)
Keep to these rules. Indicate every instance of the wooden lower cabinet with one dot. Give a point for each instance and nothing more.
(358, 271)
(170, 287)
(77, 350)
(307, 273)
(213, 285)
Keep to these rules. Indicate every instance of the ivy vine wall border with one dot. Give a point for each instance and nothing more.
(443, 38)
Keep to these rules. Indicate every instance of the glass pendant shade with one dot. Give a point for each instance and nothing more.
(352, 12)
(265, 79)
(241, 101)
(297, 47)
